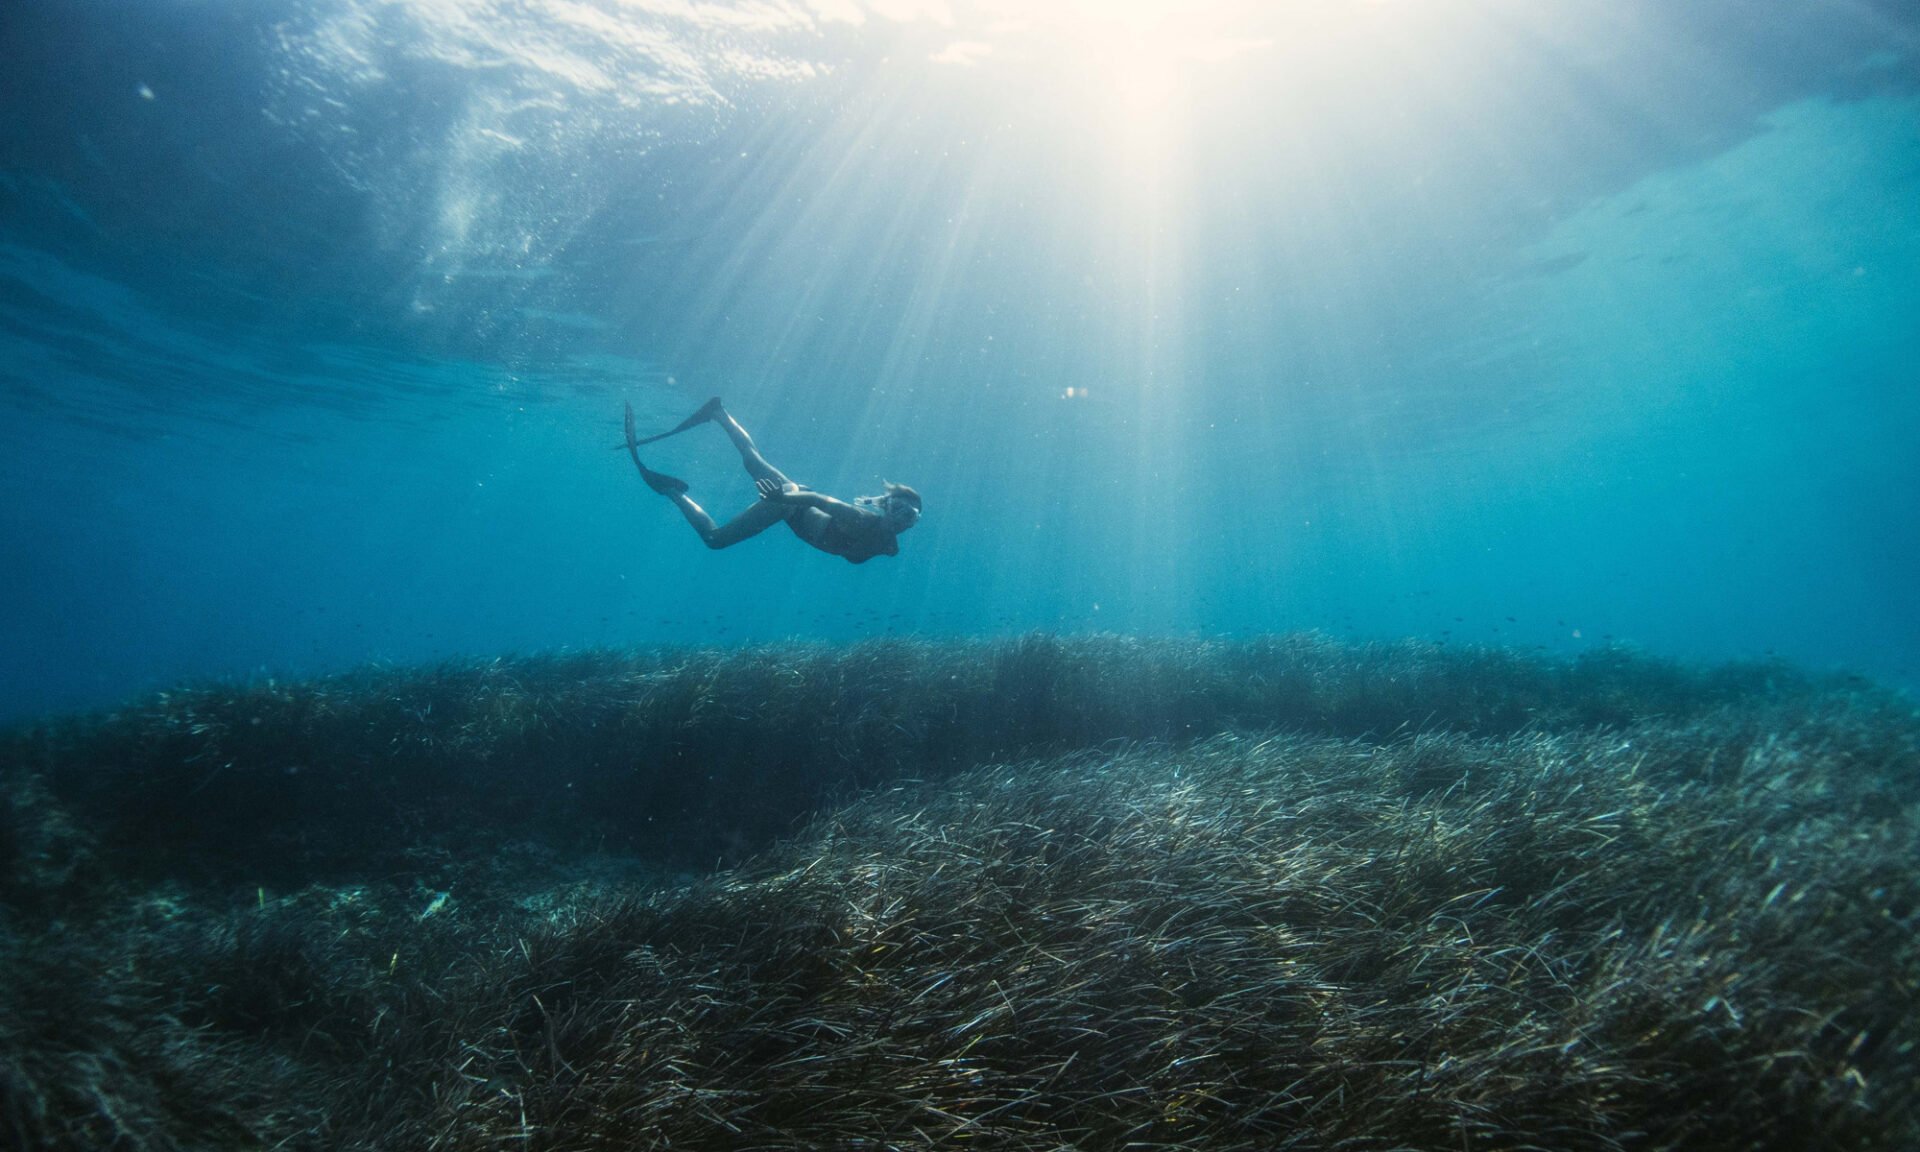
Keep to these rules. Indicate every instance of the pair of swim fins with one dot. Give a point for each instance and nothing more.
(659, 481)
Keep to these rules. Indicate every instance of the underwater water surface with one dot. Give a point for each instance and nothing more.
(1535, 325)
(1410, 641)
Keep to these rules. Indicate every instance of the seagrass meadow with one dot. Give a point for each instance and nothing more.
(1037, 893)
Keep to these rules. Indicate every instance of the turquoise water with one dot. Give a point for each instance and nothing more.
(1520, 324)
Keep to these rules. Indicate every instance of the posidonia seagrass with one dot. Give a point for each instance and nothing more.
(1089, 892)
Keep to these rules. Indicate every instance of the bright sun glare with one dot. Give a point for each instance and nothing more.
(1130, 55)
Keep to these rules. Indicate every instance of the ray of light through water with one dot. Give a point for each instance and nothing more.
(1478, 320)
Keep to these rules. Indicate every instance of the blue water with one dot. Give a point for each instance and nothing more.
(1545, 325)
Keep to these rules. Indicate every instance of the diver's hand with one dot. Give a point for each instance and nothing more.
(774, 490)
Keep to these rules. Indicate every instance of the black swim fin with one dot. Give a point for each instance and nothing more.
(661, 482)
(707, 412)
(658, 481)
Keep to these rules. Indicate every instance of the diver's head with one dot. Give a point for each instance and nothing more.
(900, 505)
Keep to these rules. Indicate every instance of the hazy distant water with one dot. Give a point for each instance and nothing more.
(1531, 324)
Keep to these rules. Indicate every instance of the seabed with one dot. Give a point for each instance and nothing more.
(1039, 893)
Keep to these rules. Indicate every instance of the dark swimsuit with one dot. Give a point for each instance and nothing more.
(855, 545)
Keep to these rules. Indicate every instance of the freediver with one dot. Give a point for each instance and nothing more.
(868, 527)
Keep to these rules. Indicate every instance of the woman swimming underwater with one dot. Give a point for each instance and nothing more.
(868, 527)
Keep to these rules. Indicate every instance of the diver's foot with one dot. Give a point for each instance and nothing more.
(661, 482)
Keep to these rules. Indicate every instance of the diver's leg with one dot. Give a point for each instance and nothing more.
(763, 515)
(756, 464)
(696, 515)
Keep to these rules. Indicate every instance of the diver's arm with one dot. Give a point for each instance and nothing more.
(795, 496)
